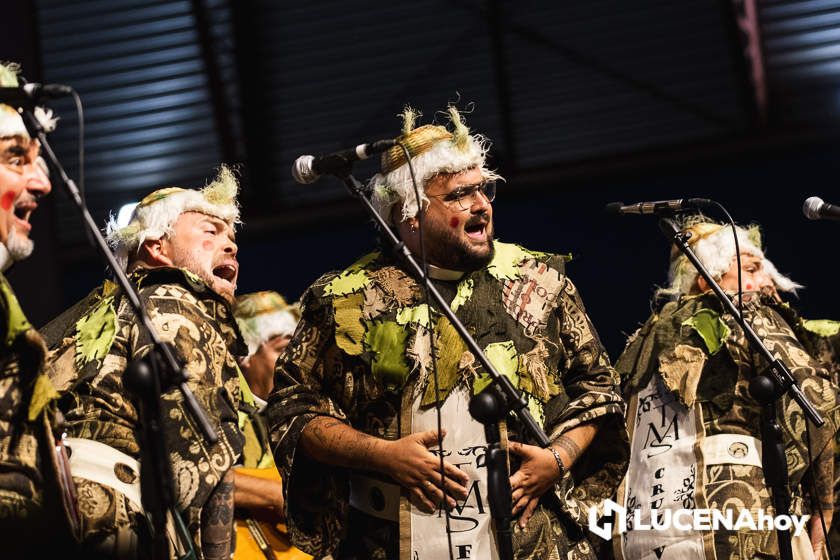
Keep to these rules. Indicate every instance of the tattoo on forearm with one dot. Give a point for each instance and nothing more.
(217, 521)
(571, 448)
(343, 446)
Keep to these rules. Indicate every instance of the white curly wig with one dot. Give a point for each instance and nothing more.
(264, 315)
(155, 215)
(11, 123)
(714, 246)
(433, 150)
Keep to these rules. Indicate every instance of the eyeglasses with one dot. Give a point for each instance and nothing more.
(464, 197)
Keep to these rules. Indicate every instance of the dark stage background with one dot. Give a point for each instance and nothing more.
(587, 102)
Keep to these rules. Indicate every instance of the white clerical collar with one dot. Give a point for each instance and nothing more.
(259, 403)
(6, 259)
(437, 273)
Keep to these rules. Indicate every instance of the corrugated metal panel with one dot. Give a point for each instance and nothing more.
(552, 82)
(802, 51)
(605, 79)
(138, 66)
(338, 74)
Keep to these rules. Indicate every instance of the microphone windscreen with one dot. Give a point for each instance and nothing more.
(302, 171)
(811, 207)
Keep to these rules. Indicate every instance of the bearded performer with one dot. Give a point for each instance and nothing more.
(180, 252)
(30, 499)
(693, 425)
(357, 396)
(267, 323)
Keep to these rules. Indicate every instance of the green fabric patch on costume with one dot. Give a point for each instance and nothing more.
(42, 394)
(17, 321)
(506, 260)
(387, 341)
(253, 453)
(353, 279)
(536, 409)
(417, 315)
(822, 327)
(246, 394)
(465, 291)
(349, 329)
(449, 347)
(711, 328)
(505, 359)
(95, 332)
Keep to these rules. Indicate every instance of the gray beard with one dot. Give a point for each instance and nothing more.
(19, 247)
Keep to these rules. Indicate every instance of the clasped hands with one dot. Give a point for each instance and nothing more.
(411, 463)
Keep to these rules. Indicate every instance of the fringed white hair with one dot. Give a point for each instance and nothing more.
(264, 315)
(433, 150)
(11, 123)
(266, 326)
(715, 249)
(154, 217)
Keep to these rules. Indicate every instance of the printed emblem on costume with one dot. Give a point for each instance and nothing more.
(532, 297)
(738, 450)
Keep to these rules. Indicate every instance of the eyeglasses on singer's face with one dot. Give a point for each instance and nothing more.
(464, 197)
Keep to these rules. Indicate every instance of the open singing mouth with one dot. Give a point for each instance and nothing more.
(226, 271)
(23, 211)
(477, 230)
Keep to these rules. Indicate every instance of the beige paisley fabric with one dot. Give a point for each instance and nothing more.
(726, 407)
(200, 326)
(361, 354)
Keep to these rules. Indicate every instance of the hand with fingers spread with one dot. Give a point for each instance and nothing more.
(536, 475)
(409, 462)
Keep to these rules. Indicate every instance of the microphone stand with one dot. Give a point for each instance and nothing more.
(147, 378)
(766, 388)
(505, 395)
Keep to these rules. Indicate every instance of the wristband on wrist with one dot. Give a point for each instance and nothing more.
(561, 469)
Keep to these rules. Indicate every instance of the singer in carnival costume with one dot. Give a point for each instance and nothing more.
(267, 323)
(695, 429)
(179, 251)
(358, 392)
(821, 338)
(30, 499)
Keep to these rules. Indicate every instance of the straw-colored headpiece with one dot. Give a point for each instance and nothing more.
(714, 245)
(155, 215)
(263, 315)
(433, 150)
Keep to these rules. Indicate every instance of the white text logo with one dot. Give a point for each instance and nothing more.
(690, 519)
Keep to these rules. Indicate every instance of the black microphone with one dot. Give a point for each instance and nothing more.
(28, 95)
(307, 169)
(657, 206)
(816, 208)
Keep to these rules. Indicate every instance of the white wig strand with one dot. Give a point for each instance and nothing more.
(155, 220)
(444, 157)
(11, 122)
(716, 252)
(265, 326)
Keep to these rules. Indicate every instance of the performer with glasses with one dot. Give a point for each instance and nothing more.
(372, 369)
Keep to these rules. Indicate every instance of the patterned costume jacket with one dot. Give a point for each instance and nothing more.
(92, 343)
(704, 363)
(361, 354)
(26, 413)
(821, 338)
